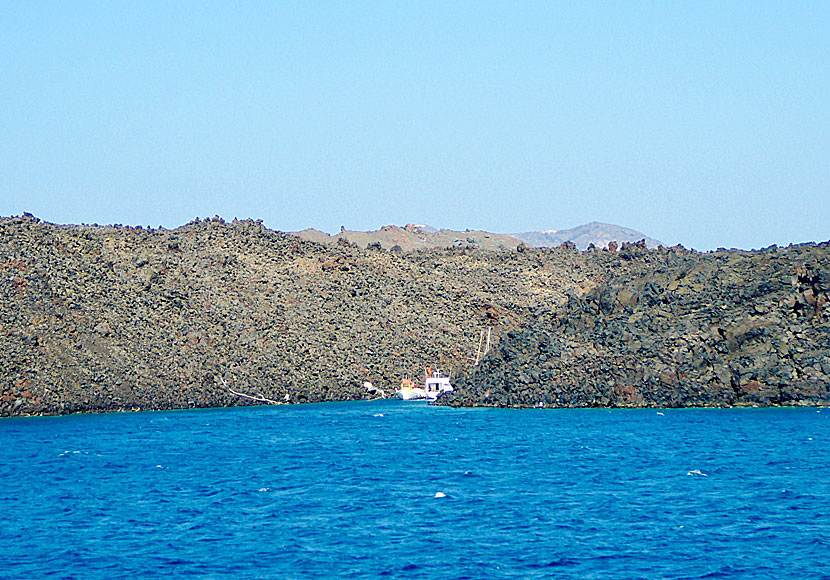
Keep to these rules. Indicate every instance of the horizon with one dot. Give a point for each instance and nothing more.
(225, 220)
(699, 124)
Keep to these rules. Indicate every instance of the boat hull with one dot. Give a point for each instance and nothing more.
(419, 395)
(412, 394)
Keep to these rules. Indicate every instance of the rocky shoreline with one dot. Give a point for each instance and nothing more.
(112, 318)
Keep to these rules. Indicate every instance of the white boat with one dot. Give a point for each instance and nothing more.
(435, 385)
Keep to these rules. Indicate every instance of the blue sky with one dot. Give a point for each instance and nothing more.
(702, 123)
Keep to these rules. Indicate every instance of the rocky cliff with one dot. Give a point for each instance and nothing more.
(96, 318)
(673, 328)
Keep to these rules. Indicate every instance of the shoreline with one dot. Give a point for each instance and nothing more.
(392, 400)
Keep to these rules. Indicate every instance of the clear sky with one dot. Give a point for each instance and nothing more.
(701, 123)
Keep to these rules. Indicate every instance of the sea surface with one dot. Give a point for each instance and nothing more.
(404, 490)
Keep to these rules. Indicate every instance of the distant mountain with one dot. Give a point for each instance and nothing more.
(413, 237)
(596, 233)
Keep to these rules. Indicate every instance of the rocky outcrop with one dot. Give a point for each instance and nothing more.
(673, 328)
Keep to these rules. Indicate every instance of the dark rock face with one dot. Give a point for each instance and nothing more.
(673, 328)
(116, 318)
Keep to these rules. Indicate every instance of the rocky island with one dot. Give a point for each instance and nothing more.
(108, 318)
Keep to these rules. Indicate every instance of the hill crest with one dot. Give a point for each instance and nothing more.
(414, 237)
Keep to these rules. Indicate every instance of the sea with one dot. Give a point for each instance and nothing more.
(389, 489)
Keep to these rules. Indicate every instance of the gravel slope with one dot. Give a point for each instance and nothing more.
(110, 318)
(117, 318)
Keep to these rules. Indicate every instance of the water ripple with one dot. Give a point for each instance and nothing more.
(354, 491)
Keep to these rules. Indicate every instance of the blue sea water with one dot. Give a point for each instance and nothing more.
(348, 490)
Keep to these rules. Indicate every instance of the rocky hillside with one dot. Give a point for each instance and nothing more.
(110, 318)
(595, 233)
(116, 318)
(673, 328)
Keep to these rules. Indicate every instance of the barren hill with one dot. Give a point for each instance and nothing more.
(414, 237)
(107, 318)
(596, 233)
(117, 318)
